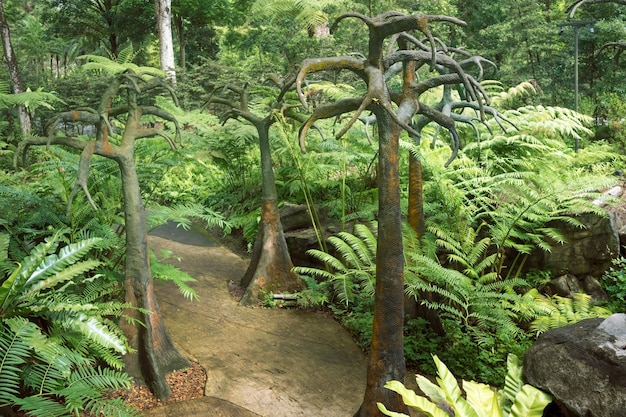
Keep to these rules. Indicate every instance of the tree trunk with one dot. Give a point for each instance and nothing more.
(155, 354)
(166, 44)
(416, 197)
(182, 41)
(270, 266)
(17, 86)
(387, 354)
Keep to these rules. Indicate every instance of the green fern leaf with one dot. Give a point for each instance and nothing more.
(14, 352)
(56, 262)
(72, 271)
(38, 406)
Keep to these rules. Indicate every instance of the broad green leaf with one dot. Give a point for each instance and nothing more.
(512, 382)
(482, 398)
(447, 381)
(415, 401)
(5, 289)
(432, 391)
(530, 402)
(386, 412)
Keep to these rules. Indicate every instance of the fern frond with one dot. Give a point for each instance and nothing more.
(169, 272)
(554, 312)
(14, 352)
(55, 263)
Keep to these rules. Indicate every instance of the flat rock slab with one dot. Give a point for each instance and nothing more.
(271, 362)
(202, 407)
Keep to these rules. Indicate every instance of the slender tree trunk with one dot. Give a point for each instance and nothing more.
(182, 41)
(166, 44)
(387, 354)
(270, 267)
(10, 60)
(416, 197)
(155, 354)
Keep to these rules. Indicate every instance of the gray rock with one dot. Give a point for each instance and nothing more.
(564, 286)
(587, 251)
(583, 366)
(593, 287)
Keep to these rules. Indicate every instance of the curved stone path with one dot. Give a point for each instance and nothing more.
(259, 362)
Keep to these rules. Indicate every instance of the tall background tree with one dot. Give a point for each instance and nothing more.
(10, 60)
(105, 25)
(166, 43)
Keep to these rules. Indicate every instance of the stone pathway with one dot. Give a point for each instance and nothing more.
(259, 362)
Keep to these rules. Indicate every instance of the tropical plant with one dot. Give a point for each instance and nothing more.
(60, 350)
(614, 283)
(353, 270)
(445, 398)
(556, 311)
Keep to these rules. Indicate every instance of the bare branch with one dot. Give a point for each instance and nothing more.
(82, 176)
(571, 9)
(323, 64)
(447, 122)
(325, 112)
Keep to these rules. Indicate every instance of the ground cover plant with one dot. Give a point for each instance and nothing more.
(60, 343)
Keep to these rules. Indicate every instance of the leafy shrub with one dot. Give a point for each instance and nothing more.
(445, 399)
(60, 350)
(463, 355)
(559, 311)
(614, 283)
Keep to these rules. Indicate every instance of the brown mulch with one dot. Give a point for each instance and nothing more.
(185, 384)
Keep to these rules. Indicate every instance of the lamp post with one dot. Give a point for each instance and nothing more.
(576, 25)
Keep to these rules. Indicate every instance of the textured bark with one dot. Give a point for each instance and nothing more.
(155, 354)
(10, 60)
(387, 353)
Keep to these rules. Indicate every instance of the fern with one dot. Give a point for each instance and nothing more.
(559, 311)
(164, 271)
(51, 335)
(354, 270)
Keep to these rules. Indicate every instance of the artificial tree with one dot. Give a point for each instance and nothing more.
(394, 110)
(154, 352)
(270, 269)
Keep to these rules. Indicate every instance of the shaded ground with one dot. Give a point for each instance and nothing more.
(259, 362)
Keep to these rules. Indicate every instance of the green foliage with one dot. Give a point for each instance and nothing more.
(445, 399)
(353, 271)
(614, 283)
(56, 332)
(459, 350)
(165, 271)
(558, 311)
(314, 295)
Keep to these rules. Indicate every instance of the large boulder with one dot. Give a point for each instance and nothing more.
(586, 251)
(583, 366)
(300, 234)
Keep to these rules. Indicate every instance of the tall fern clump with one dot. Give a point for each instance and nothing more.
(60, 348)
(348, 281)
